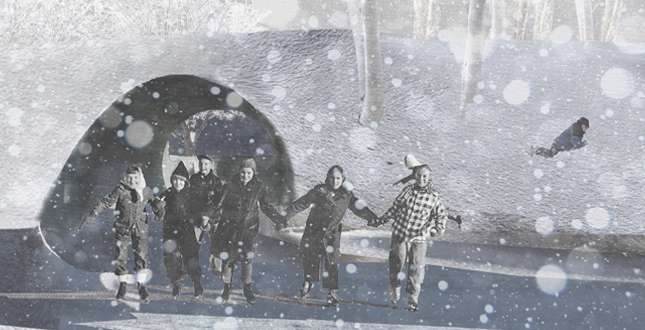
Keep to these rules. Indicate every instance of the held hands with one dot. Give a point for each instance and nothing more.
(206, 226)
(376, 222)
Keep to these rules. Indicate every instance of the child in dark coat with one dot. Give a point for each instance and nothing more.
(130, 198)
(321, 239)
(181, 248)
(235, 238)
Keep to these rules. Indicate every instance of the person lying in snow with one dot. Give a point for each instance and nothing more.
(131, 224)
(571, 138)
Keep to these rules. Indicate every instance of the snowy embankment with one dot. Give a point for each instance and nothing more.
(304, 83)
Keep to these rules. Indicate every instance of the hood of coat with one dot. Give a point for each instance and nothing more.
(577, 130)
(140, 185)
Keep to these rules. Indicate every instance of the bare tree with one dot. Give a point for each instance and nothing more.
(543, 23)
(190, 130)
(611, 19)
(498, 13)
(427, 15)
(364, 20)
(472, 71)
(584, 11)
(521, 16)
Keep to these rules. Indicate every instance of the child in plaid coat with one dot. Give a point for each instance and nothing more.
(417, 214)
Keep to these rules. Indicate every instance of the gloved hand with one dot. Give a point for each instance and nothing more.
(87, 221)
(373, 223)
(280, 225)
(433, 232)
(584, 143)
(205, 227)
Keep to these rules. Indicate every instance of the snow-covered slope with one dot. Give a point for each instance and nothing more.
(305, 84)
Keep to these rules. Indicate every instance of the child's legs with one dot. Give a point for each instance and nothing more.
(416, 269)
(140, 248)
(190, 254)
(311, 266)
(122, 239)
(227, 271)
(549, 153)
(173, 262)
(398, 254)
(331, 267)
(247, 271)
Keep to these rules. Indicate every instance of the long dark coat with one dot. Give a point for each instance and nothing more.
(324, 226)
(239, 225)
(178, 216)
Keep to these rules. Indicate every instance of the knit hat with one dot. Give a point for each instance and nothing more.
(181, 173)
(200, 157)
(413, 164)
(249, 162)
(583, 121)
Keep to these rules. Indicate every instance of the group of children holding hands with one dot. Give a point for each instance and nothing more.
(230, 214)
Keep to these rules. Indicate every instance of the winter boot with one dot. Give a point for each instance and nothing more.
(248, 294)
(176, 288)
(395, 293)
(306, 288)
(413, 304)
(143, 292)
(121, 293)
(332, 298)
(199, 290)
(226, 293)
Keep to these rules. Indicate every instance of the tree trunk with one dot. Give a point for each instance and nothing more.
(584, 11)
(522, 19)
(419, 18)
(356, 23)
(611, 19)
(498, 12)
(543, 23)
(434, 17)
(472, 71)
(373, 103)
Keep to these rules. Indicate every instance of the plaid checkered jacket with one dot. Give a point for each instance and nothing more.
(415, 211)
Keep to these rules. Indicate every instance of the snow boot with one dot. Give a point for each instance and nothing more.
(121, 293)
(176, 288)
(306, 288)
(413, 304)
(332, 298)
(226, 293)
(199, 289)
(248, 294)
(143, 292)
(395, 293)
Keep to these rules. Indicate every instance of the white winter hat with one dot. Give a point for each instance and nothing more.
(411, 162)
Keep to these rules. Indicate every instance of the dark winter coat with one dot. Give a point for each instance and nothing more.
(240, 219)
(323, 226)
(206, 189)
(130, 207)
(571, 138)
(175, 209)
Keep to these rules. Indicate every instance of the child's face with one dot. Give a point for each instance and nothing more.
(246, 174)
(336, 179)
(205, 166)
(422, 177)
(178, 184)
(132, 179)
